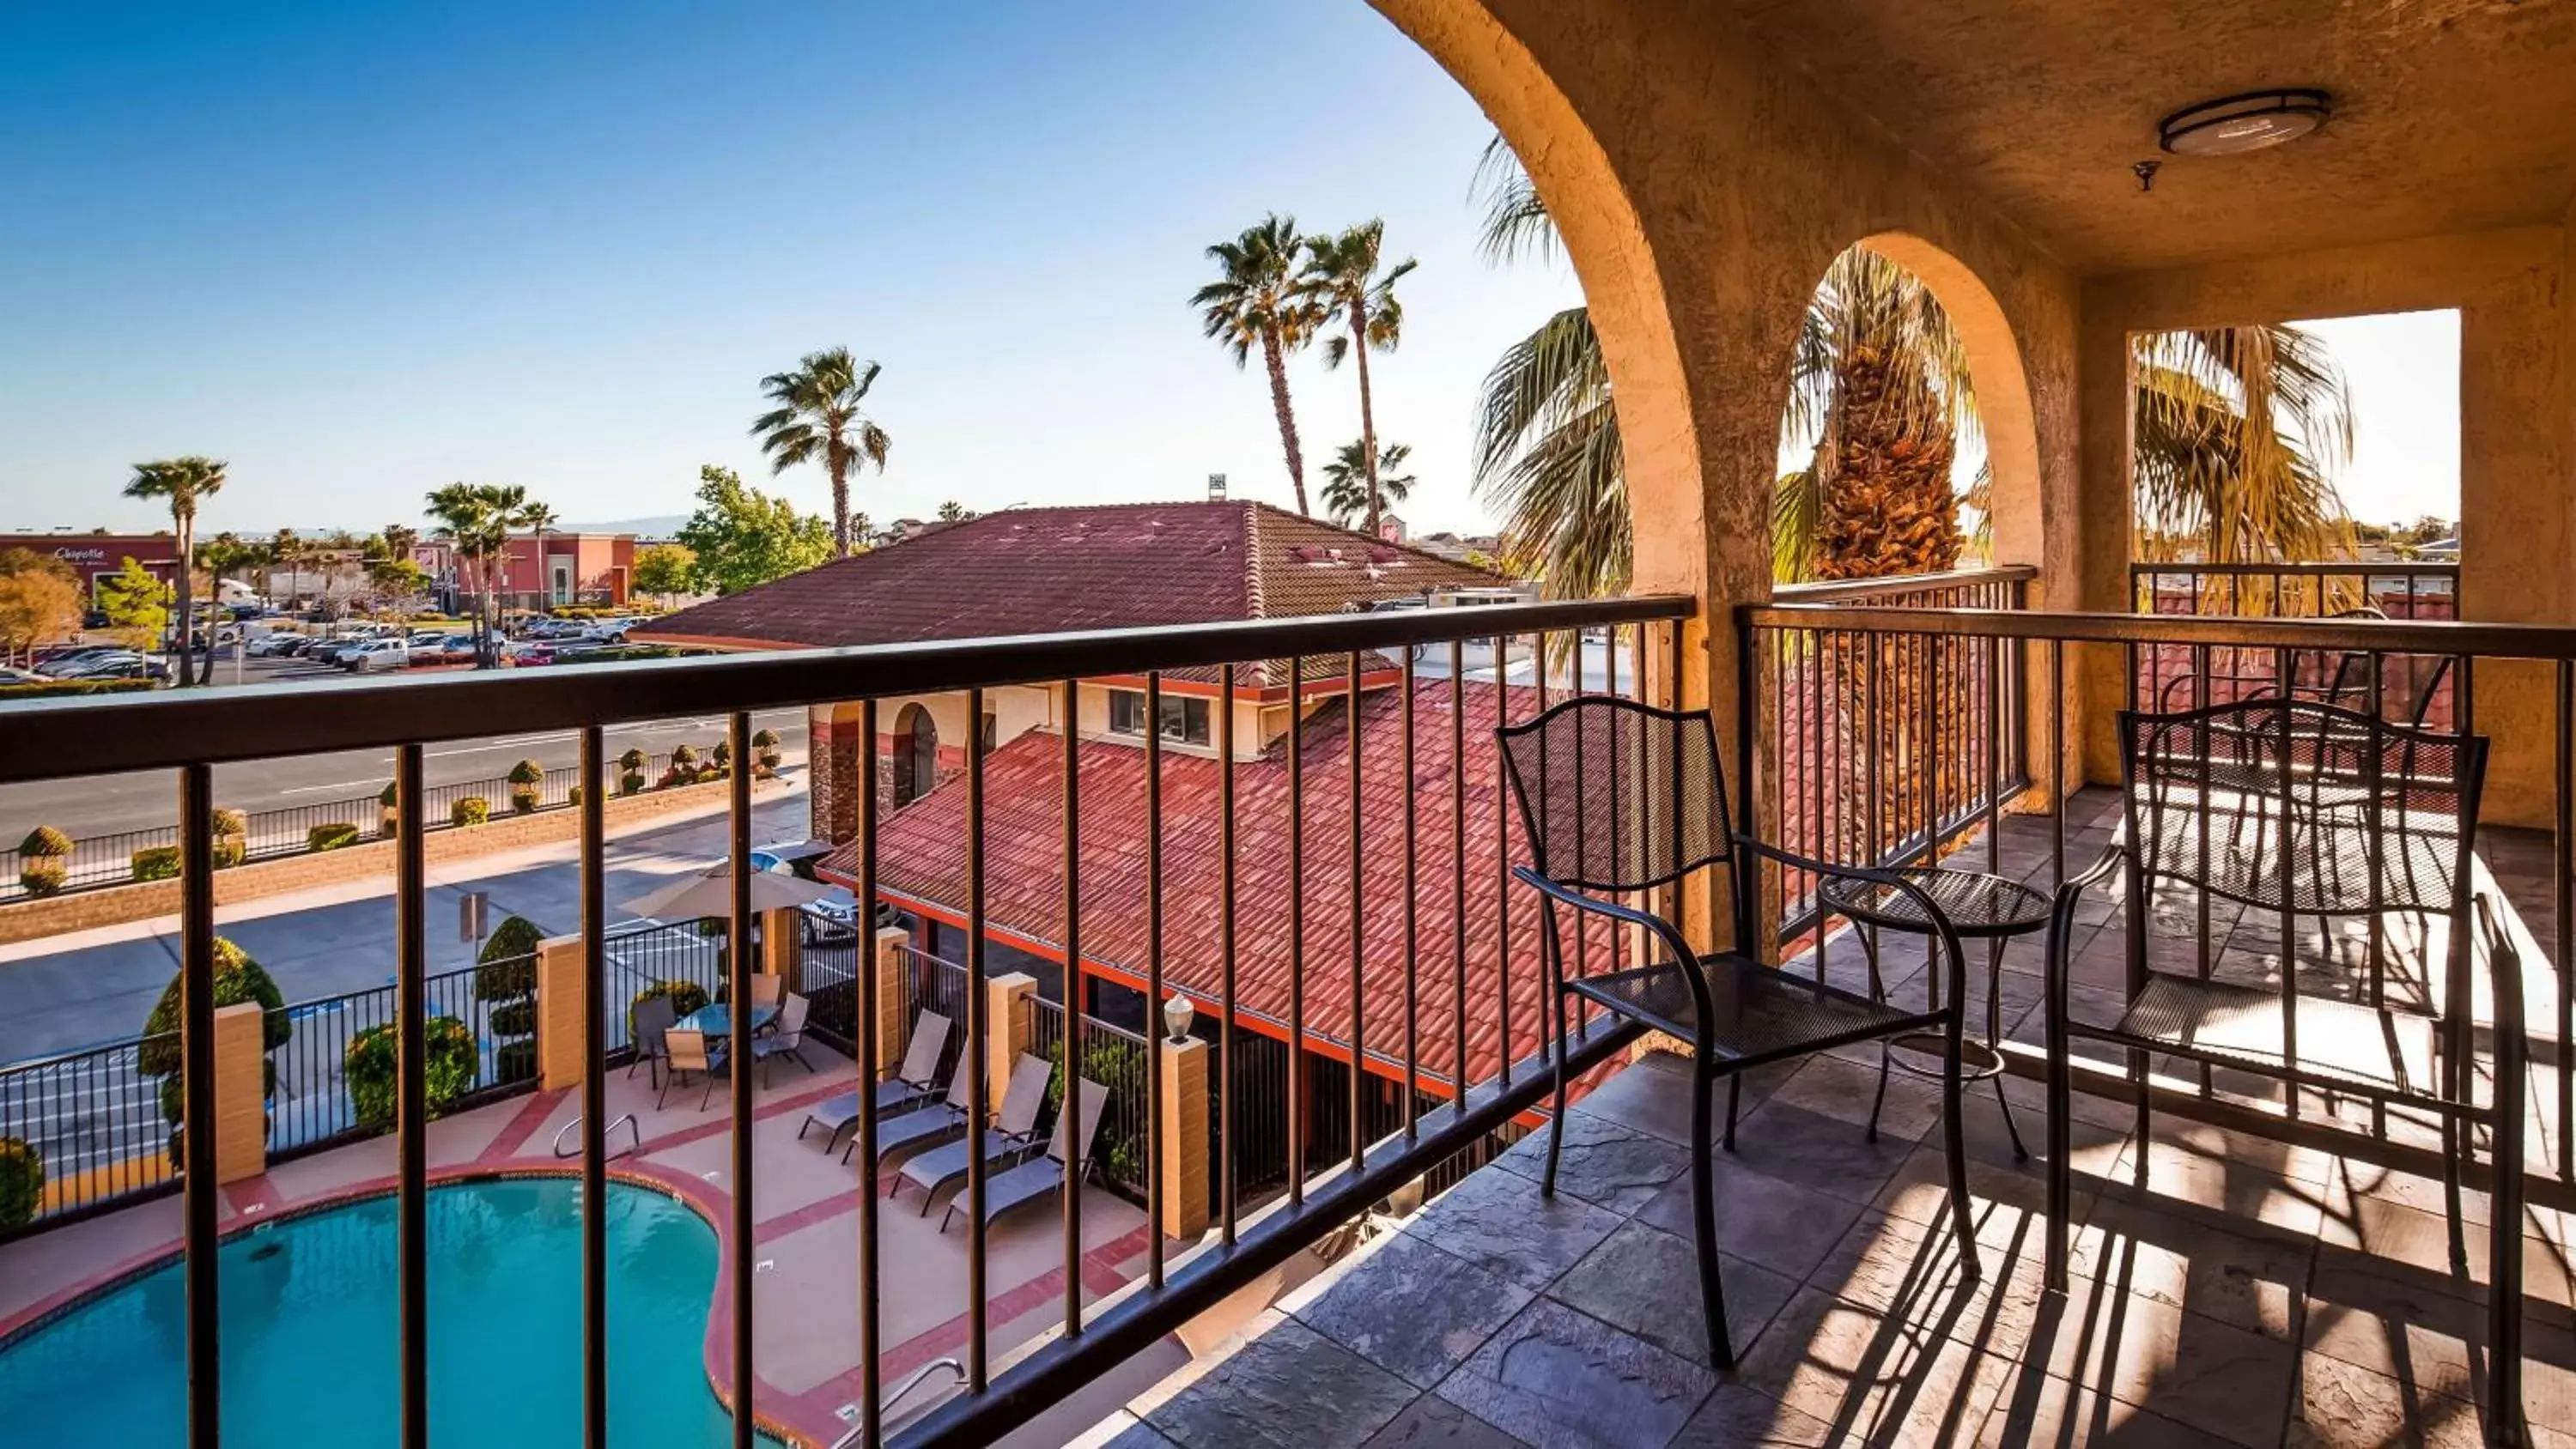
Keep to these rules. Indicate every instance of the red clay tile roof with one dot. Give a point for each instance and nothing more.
(922, 856)
(1044, 570)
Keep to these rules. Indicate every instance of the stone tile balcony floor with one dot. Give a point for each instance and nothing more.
(2254, 1294)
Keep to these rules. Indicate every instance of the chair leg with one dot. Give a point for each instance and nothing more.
(2061, 1182)
(1954, 1128)
(664, 1090)
(1712, 1293)
(1556, 1116)
(2020, 1153)
(709, 1094)
(1878, 1101)
(1734, 1094)
(2139, 1138)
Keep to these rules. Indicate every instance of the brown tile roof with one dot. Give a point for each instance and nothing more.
(1044, 570)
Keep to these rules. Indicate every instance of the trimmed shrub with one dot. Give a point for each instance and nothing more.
(631, 783)
(633, 761)
(523, 799)
(42, 875)
(764, 739)
(174, 1096)
(230, 851)
(335, 836)
(45, 841)
(386, 796)
(685, 997)
(527, 772)
(472, 810)
(684, 757)
(515, 1018)
(228, 821)
(1121, 1141)
(507, 967)
(156, 862)
(514, 1061)
(710, 774)
(676, 776)
(57, 688)
(371, 1068)
(238, 978)
(572, 796)
(722, 755)
(22, 1183)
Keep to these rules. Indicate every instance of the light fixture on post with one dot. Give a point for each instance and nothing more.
(1177, 1013)
(2234, 125)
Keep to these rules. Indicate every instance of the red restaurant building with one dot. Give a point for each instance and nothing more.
(93, 555)
(578, 568)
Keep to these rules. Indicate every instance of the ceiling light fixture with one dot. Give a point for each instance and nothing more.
(2233, 125)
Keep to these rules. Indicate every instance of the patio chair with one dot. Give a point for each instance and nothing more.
(1650, 811)
(766, 988)
(1041, 1177)
(928, 1124)
(690, 1051)
(1012, 1136)
(786, 1037)
(2405, 849)
(652, 1017)
(913, 1083)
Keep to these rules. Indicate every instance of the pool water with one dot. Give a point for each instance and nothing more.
(310, 1346)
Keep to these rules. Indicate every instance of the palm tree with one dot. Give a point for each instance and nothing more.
(2239, 433)
(1341, 277)
(1256, 299)
(818, 414)
(475, 518)
(283, 551)
(182, 483)
(400, 540)
(537, 518)
(1346, 479)
(953, 511)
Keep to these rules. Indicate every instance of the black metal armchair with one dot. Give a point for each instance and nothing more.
(1619, 797)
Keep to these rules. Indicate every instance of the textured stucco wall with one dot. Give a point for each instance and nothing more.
(2517, 439)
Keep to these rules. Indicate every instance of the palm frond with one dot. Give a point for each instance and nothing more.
(1797, 524)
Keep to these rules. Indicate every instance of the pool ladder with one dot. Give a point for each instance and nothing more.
(634, 1137)
(956, 1375)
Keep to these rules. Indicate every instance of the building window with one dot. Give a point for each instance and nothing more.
(1184, 719)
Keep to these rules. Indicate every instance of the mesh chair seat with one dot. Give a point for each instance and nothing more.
(1757, 1014)
(1975, 903)
(2378, 1050)
(2233, 848)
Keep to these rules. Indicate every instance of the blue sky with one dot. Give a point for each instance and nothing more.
(360, 251)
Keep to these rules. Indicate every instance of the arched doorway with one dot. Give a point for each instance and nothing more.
(916, 754)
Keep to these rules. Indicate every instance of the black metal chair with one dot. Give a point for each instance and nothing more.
(1620, 797)
(2309, 810)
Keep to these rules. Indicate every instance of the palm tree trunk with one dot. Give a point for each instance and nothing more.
(840, 465)
(1278, 365)
(184, 674)
(1368, 413)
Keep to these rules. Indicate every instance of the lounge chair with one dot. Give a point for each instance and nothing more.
(1012, 1136)
(1041, 1177)
(788, 1040)
(690, 1051)
(915, 1082)
(927, 1125)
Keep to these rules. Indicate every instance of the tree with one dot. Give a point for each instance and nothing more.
(2239, 432)
(400, 540)
(1346, 479)
(136, 603)
(182, 483)
(742, 538)
(1256, 300)
(40, 601)
(953, 511)
(475, 519)
(1342, 277)
(397, 582)
(537, 518)
(818, 415)
(664, 570)
(283, 553)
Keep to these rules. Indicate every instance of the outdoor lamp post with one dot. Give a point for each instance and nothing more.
(1177, 1013)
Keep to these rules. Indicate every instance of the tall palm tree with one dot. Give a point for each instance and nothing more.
(283, 551)
(1346, 479)
(1342, 276)
(400, 540)
(818, 415)
(475, 518)
(2240, 431)
(537, 518)
(1256, 300)
(182, 483)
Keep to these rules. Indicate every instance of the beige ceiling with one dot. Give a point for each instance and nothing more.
(2450, 115)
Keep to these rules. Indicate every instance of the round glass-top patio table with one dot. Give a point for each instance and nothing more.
(715, 1021)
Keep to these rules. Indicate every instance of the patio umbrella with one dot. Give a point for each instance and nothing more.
(709, 892)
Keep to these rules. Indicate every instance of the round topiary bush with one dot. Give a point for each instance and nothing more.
(44, 842)
(507, 967)
(514, 1019)
(764, 739)
(685, 997)
(633, 761)
(722, 755)
(174, 1095)
(22, 1183)
(371, 1068)
(238, 978)
(42, 875)
(514, 1061)
(228, 821)
(631, 783)
(684, 758)
(386, 796)
(156, 862)
(339, 835)
(523, 799)
(472, 810)
(527, 772)
(230, 851)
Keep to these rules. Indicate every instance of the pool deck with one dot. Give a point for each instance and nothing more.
(805, 1321)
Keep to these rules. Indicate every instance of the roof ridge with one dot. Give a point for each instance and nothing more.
(1256, 602)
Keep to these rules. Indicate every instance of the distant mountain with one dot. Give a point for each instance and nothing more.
(659, 525)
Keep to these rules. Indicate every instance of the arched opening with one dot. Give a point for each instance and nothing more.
(915, 754)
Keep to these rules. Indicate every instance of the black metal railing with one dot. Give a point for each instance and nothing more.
(2416, 688)
(1337, 885)
(126, 857)
(1118, 1060)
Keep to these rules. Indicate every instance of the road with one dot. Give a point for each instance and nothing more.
(106, 804)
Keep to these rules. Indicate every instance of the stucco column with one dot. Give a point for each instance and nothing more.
(887, 960)
(1184, 1140)
(1008, 1021)
(559, 1023)
(833, 761)
(241, 1092)
(781, 945)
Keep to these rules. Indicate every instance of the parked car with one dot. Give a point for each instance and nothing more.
(9, 674)
(291, 646)
(376, 655)
(120, 664)
(55, 661)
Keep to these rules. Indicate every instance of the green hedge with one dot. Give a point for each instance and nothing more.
(527, 772)
(371, 1069)
(507, 967)
(339, 835)
(22, 1183)
(1120, 1147)
(62, 687)
(156, 862)
(45, 840)
(472, 810)
(42, 875)
(523, 799)
(631, 783)
(238, 978)
(685, 996)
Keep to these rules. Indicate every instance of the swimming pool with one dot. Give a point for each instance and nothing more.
(310, 1338)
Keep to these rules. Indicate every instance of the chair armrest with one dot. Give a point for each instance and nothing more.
(2061, 914)
(1601, 906)
(1946, 933)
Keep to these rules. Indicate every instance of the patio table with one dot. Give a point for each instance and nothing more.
(716, 1022)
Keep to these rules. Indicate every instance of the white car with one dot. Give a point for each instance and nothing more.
(378, 654)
